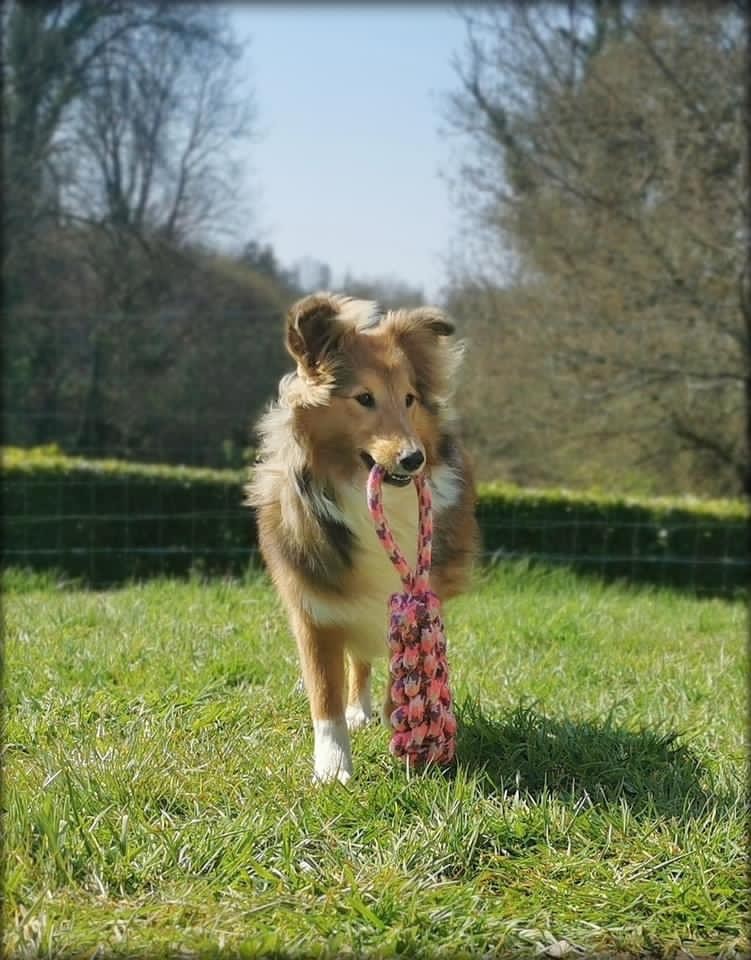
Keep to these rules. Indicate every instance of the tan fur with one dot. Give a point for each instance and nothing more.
(315, 532)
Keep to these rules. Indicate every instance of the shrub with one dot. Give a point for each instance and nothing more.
(108, 520)
(680, 541)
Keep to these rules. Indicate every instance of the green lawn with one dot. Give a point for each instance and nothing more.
(158, 797)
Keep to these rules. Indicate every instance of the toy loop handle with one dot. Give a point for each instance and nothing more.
(419, 580)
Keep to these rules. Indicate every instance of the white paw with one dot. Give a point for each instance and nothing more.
(356, 717)
(328, 776)
(332, 756)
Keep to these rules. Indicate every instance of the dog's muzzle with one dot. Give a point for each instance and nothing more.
(412, 463)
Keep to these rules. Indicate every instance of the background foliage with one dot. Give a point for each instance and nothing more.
(600, 281)
(106, 521)
(607, 175)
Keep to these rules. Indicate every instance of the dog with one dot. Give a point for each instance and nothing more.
(369, 387)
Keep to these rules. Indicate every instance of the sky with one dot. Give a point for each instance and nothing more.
(347, 167)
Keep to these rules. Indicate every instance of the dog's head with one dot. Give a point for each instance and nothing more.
(370, 388)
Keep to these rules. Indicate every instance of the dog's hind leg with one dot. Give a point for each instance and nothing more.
(388, 705)
(358, 698)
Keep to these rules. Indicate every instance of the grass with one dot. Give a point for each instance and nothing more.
(158, 797)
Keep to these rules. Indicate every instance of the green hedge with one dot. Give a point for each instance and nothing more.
(106, 521)
(677, 541)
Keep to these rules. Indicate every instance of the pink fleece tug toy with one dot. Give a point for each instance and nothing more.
(423, 722)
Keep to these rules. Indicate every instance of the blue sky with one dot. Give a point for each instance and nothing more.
(347, 167)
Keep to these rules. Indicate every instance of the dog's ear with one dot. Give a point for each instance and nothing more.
(313, 329)
(431, 320)
(425, 335)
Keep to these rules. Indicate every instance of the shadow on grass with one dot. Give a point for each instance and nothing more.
(652, 772)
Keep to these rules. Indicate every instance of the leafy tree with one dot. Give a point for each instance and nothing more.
(607, 186)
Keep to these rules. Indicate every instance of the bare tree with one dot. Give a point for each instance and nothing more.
(154, 132)
(49, 52)
(153, 136)
(121, 121)
(117, 110)
(608, 174)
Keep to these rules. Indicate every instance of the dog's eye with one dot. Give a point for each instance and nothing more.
(410, 399)
(365, 399)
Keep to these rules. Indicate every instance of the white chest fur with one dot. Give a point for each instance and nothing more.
(373, 578)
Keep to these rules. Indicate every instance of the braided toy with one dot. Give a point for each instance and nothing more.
(423, 722)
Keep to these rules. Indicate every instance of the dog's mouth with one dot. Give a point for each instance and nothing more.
(395, 479)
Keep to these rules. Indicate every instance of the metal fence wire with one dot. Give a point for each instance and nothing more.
(110, 521)
(132, 397)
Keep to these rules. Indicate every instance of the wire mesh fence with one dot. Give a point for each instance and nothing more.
(172, 386)
(109, 521)
(648, 551)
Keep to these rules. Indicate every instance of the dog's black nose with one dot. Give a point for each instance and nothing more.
(413, 461)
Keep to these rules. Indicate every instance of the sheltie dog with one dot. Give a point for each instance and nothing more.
(369, 388)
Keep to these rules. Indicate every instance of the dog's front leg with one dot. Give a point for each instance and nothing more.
(322, 660)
